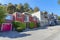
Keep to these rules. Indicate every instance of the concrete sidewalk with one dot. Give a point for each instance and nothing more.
(51, 33)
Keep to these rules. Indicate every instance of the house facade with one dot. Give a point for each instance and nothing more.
(41, 18)
(25, 17)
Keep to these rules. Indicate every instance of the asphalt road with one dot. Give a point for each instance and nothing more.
(50, 33)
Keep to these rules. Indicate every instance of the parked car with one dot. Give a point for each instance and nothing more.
(51, 23)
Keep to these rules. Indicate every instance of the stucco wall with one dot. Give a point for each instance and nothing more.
(43, 21)
(37, 14)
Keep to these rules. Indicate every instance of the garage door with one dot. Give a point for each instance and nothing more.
(6, 27)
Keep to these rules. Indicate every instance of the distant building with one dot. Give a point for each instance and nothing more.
(53, 18)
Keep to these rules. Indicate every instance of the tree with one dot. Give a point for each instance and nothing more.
(26, 7)
(36, 9)
(58, 1)
(45, 12)
(19, 8)
(30, 10)
(58, 17)
(2, 14)
(4, 8)
(15, 5)
(11, 8)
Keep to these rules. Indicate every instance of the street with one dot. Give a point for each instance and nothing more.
(49, 33)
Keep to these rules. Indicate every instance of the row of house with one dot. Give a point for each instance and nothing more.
(24, 17)
(37, 17)
(45, 19)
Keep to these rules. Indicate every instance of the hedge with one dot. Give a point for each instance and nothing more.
(19, 26)
(32, 24)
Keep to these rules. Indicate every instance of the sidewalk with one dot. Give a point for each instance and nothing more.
(40, 34)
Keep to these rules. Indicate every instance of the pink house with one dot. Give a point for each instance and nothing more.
(24, 17)
(18, 17)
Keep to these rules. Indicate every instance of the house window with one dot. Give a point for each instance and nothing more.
(9, 17)
(26, 18)
(18, 15)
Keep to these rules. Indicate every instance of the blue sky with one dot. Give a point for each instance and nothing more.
(44, 5)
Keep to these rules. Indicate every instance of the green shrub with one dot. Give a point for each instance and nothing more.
(19, 29)
(23, 25)
(58, 17)
(32, 25)
(16, 24)
(19, 26)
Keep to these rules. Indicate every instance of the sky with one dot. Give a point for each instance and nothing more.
(44, 5)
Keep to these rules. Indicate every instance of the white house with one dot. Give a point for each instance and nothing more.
(41, 18)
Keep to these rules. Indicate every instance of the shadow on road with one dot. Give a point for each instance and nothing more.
(13, 34)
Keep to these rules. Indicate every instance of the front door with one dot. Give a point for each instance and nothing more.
(27, 24)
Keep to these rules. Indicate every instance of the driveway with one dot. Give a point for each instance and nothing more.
(49, 33)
